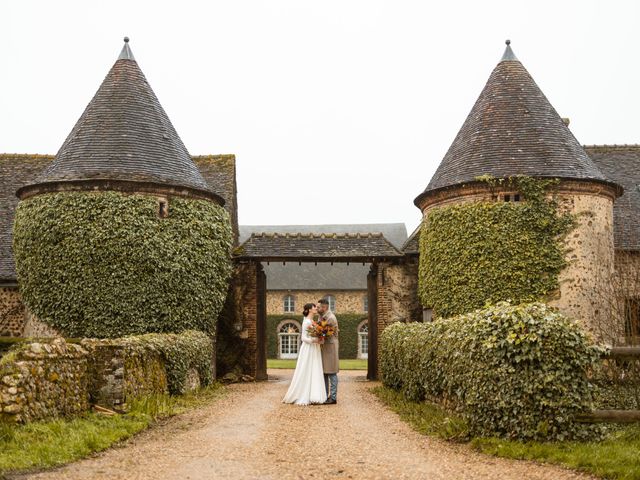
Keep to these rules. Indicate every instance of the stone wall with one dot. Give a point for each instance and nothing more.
(347, 301)
(590, 259)
(12, 312)
(42, 381)
(118, 374)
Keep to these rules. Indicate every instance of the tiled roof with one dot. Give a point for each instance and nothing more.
(621, 163)
(317, 247)
(17, 170)
(412, 245)
(396, 233)
(513, 130)
(323, 276)
(125, 135)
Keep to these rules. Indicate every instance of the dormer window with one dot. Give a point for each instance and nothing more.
(163, 208)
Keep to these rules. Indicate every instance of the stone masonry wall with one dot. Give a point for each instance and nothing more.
(43, 380)
(591, 260)
(118, 374)
(12, 312)
(347, 301)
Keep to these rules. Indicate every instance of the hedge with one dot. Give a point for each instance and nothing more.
(510, 371)
(104, 264)
(479, 253)
(348, 323)
(189, 350)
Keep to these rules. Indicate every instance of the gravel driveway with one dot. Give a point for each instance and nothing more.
(249, 434)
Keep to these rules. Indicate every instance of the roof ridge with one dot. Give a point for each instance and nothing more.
(27, 155)
(612, 146)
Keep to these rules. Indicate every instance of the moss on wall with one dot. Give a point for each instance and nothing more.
(473, 254)
(105, 264)
(347, 322)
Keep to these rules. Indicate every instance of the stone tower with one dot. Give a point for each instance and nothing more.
(121, 234)
(513, 130)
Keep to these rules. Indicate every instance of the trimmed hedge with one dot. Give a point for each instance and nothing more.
(511, 371)
(104, 264)
(348, 323)
(181, 352)
(480, 253)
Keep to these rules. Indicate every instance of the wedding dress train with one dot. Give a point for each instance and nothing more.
(307, 384)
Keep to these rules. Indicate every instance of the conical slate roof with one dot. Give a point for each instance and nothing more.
(124, 135)
(512, 130)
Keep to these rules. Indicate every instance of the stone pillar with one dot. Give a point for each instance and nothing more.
(248, 314)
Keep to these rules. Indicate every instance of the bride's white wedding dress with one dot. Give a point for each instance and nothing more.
(307, 384)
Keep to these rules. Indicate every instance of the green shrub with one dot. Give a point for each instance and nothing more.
(105, 265)
(480, 253)
(510, 371)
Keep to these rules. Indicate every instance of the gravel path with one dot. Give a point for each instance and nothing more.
(249, 434)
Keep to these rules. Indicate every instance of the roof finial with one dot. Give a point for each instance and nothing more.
(126, 53)
(508, 53)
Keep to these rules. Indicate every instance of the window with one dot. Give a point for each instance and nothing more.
(363, 339)
(289, 304)
(332, 302)
(288, 339)
(163, 208)
(632, 317)
(365, 303)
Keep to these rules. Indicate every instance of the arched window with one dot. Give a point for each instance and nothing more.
(289, 304)
(363, 339)
(332, 302)
(288, 339)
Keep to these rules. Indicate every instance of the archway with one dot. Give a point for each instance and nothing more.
(373, 249)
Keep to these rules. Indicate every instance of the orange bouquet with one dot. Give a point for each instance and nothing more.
(320, 329)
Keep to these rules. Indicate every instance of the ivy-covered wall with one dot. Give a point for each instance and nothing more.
(347, 322)
(104, 264)
(473, 254)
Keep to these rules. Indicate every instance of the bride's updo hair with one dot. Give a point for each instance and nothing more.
(307, 308)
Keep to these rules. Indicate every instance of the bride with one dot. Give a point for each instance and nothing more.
(307, 384)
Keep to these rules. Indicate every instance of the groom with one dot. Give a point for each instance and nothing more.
(330, 362)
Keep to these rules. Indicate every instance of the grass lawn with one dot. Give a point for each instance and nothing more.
(46, 444)
(615, 457)
(345, 364)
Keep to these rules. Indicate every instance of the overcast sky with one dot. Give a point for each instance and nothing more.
(337, 111)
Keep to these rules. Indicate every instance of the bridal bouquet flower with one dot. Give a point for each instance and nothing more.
(320, 329)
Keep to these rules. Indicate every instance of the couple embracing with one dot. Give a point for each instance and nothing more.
(315, 379)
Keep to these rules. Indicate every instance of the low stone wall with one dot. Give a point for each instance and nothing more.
(43, 380)
(119, 373)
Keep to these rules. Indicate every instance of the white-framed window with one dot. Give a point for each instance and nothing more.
(363, 339)
(289, 304)
(332, 302)
(288, 339)
(365, 303)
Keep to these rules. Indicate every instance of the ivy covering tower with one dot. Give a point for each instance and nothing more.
(121, 234)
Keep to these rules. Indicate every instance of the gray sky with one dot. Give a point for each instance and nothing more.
(338, 111)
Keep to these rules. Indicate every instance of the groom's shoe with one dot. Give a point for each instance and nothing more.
(330, 401)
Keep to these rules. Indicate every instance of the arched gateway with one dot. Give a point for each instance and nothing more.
(390, 282)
